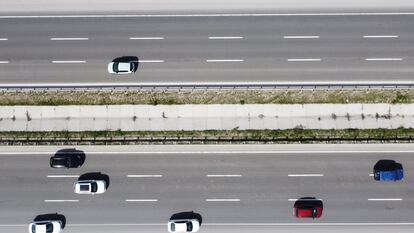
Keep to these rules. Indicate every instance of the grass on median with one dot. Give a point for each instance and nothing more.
(251, 134)
(206, 97)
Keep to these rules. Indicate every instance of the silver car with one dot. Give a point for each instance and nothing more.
(51, 226)
(183, 225)
(121, 67)
(90, 186)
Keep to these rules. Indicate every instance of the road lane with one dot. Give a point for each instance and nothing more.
(183, 45)
(263, 190)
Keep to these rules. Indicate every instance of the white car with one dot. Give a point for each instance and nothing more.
(51, 226)
(121, 67)
(183, 225)
(90, 186)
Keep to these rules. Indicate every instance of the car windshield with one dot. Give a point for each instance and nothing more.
(49, 228)
(94, 187)
(59, 161)
(131, 67)
(115, 67)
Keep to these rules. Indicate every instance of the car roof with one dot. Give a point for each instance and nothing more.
(181, 226)
(124, 66)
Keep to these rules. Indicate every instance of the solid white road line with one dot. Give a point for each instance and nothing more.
(3, 39)
(68, 38)
(305, 175)
(384, 59)
(371, 174)
(150, 61)
(225, 60)
(141, 200)
(223, 200)
(146, 38)
(295, 199)
(61, 200)
(301, 37)
(239, 175)
(382, 36)
(233, 224)
(62, 176)
(385, 199)
(67, 62)
(225, 37)
(304, 59)
(313, 224)
(4, 62)
(203, 15)
(144, 176)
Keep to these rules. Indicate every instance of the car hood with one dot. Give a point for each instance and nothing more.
(101, 186)
(196, 225)
(111, 68)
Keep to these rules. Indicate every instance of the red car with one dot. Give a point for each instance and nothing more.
(308, 207)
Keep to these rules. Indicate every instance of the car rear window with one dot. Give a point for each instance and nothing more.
(84, 187)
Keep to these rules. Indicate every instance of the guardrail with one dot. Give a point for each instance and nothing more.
(195, 140)
(163, 87)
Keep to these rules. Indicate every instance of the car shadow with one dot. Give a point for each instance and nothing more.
(309, 201)
(187, 215)
(72, 151)
(386, 165)
(133, 59)
(51, 216)
(95, 176)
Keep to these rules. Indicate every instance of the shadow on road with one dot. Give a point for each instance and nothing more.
(51, 216)
(187, 215)
(95, 176)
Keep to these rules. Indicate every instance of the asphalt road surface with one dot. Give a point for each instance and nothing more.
(248, 49)
(230, 190)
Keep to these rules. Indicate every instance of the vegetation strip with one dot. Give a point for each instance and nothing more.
(206, 97)
(208, 137)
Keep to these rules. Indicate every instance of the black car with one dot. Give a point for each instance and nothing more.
(67, 158)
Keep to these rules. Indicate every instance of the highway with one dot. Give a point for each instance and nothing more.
(208, 49)
(231, 190)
